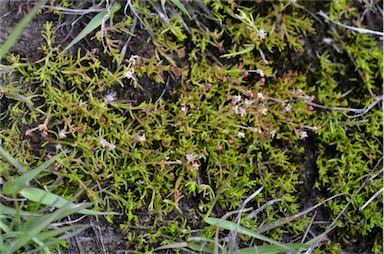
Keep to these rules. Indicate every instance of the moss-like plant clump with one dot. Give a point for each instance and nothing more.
(211, 100)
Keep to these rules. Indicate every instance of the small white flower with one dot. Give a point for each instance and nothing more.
(298, 92)
(82, 104)
(247, 102)
(132, 59)
(58, 146)
(240, 134)
(111, 97)
(237, 98)
(111, 147)
(288, 108)
(129, 74)
(263, 110)
(293, 1)
(260, 72)
(242, 111)
(261, 33)
(196, 166)
(260, 96)
(141, 138)
(273, 133)
(239, 111)
(103, 142)
(190, 157)
(184, 109)
(303, 134)
(62, 134)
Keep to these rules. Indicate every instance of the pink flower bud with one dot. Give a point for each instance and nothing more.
(208, 86)
(219, 147)
(102, 119)
(262, 80)
(230, 141)
(245, 74)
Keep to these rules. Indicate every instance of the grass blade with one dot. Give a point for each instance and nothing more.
(229, 225)
(8, 157)
(271, 249)
(34, 227)
(14, 185)
(19, 28)
(92, 25)
(249, 48)
(181, 7)
(13, 211)
(47, 198)
(282, 221)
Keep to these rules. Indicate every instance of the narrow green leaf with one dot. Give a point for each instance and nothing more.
(14, 185)
(43, 236)
(282, 221)
(93, 24)
(32, 228)
(271, 249)
(55, 241)
(248, 48)
(163, 5)
(201, 248)
(14, 211)
(8, 157)
(181, 7)
(47, 198)
(4, 227)
(19, 29)
(173, 246)
(229, 225)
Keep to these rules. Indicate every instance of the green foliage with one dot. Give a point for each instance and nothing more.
(237, 122)
(29, 231)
